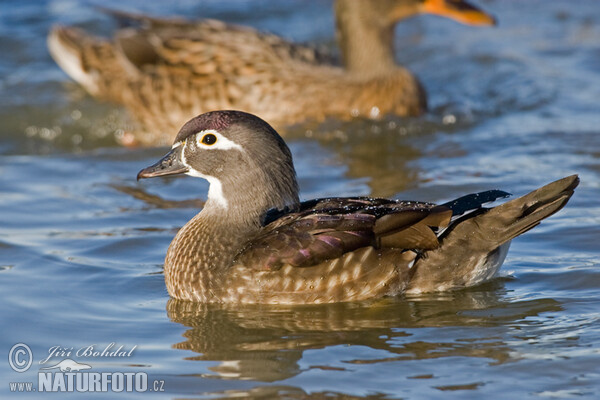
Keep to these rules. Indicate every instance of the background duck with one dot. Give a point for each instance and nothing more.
(254, 242)
(168, 70)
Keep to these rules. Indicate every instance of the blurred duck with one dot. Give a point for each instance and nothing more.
(255, 242)
(165, 71)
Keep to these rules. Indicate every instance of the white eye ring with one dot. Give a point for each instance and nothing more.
(210, 139)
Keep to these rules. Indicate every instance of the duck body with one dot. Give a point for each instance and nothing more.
(250, 71)
(165, 71)
(254, 242)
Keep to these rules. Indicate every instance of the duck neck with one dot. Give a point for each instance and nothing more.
(366, 40)
(245, 202)
(212, 239)
(233, 213)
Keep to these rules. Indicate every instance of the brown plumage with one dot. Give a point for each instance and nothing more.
(254, 242)
(168, 70)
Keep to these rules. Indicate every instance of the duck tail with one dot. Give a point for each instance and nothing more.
(76, 52)
(473, 247)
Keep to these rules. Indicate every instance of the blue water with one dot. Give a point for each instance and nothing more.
(513, 107)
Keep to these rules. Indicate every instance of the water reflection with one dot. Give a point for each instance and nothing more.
(266, 343)
(155, 201)
(291, 392)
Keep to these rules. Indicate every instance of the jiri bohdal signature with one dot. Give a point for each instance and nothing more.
(91, 351)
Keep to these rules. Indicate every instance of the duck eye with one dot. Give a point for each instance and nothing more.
(209, 139)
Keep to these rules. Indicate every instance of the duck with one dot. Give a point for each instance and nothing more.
(254, 242)
(165, 71)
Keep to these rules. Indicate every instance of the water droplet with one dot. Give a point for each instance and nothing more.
(75, 114)
(374, 113)
(31, 131)
(449, 119)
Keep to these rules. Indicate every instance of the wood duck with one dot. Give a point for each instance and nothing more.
(169, 70)
(255, 242)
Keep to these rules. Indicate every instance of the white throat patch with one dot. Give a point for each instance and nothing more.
(215, 190)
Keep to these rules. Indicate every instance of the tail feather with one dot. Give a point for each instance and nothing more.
(522, 214)
(95, 63)
(473, 248)
(67, 47)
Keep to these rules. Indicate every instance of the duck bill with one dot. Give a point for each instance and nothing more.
(460, 11)
(170, 164)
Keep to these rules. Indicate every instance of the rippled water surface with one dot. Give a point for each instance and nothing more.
(512, 107)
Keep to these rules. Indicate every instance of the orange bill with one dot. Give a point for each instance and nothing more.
(460, 11)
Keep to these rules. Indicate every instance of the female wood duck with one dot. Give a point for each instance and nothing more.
(168, 71)
(254, 242)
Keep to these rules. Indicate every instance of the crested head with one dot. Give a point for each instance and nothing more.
(214, 120)
(248, 165)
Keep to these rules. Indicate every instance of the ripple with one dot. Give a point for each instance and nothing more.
(82, 244)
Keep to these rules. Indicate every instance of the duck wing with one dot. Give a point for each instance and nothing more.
(204, 45)
(325, 229)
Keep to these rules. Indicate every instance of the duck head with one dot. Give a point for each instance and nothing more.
(392, 11)
(365, 28)
(458, 10)
(248, 165)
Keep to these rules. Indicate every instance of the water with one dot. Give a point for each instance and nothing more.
(513, 107)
